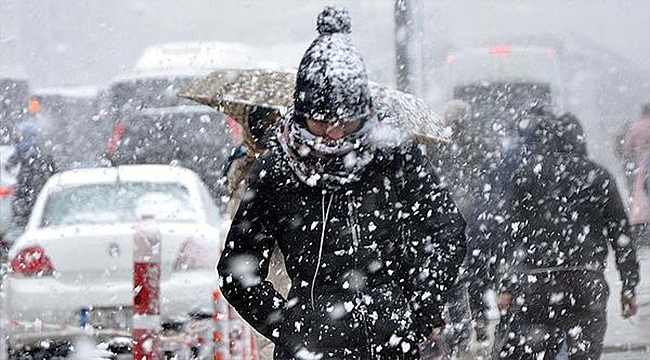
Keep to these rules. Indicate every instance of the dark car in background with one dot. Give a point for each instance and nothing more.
(68, 123)
(150, 124)
(195, 137)
(502, 83)
(146, 91)
(504, 65)
(14, 94)
(131, 93)
(139, 91)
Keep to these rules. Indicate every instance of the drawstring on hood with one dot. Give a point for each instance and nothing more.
(325, 215)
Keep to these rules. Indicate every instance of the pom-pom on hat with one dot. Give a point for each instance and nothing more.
(333, 20)
(332, 84)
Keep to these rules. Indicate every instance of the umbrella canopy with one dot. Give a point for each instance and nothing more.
(258, 98)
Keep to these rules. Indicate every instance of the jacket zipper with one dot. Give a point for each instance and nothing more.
(353, 223)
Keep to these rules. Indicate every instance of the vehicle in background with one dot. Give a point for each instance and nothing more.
(14, 93)
(68, 126)
(150, 124)
(164, 69)
(139, 91)
(73, 265)
(195, 137)
(135, 92)
(502, 83)
(200, 58)
(503, 64)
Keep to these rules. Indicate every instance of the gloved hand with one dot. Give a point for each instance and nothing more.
(304, 354)
(504, 302)
(628, 306)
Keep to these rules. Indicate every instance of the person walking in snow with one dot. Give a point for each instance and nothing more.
(465, 166)
(370, 239)
(563, 213)
(637, 148)
(36, 167)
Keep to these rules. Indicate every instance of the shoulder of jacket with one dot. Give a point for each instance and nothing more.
(270, 169)
(402, 153)
(602, 174)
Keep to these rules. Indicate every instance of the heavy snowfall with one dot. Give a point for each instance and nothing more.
(314, 180)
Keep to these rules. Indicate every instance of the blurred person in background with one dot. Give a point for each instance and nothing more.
(637, 148)
(564, 211)
(36, 166)
(465, 168)
(457, 160)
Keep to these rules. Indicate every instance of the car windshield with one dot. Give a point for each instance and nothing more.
(117, 203)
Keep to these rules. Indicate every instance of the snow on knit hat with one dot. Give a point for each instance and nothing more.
(332, 84)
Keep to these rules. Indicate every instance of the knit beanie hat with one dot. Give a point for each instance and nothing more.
(332, 84)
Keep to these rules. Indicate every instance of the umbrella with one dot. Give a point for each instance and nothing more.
(257, 98)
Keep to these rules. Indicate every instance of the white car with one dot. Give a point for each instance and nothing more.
(72, 267)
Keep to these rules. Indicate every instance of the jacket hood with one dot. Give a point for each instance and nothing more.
(548, 133)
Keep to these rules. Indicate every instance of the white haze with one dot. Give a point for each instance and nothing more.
(77, 42)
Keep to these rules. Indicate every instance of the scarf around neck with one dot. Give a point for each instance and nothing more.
(330, 164)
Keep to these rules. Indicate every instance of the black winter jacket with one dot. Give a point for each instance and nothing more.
(370, 263)
(564, 210)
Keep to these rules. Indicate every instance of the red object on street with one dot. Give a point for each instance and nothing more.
(116, 136)
(221, 332)
(6, 192)
(232, 337)
(146, 291)
(237, 342)
(252, 345)
(500, 50)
